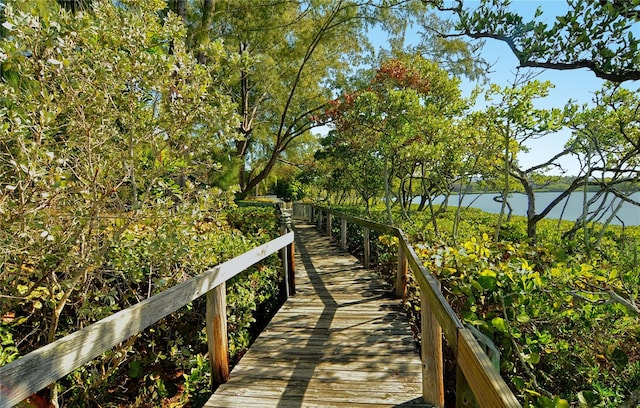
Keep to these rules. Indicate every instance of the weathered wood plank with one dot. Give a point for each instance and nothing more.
(343, 394)
(36, 370)
(432, 359)
(342, 341)
(261, 386)
(385, 229)
(328, 364)
(447, 322)
(357, 378)
(217, 339)
(401, 274)
(291, 251)
(284, 255)
(297, 402)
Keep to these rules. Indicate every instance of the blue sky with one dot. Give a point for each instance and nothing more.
(577, 85)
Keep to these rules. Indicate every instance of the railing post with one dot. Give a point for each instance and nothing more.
(401, 275)
(217, 335)
(431, 351)
(288, 265)
(343, 233)
(285, 269)
(329, 220)
(367, 248)
(291, 268)
(312, 213)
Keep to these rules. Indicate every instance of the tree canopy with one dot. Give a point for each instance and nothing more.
(600, 35)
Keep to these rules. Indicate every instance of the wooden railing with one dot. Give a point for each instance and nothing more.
(477, 380)
(40, 368)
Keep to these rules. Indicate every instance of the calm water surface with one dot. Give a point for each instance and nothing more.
(569, 209)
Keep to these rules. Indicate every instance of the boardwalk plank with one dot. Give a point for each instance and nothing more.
(342, 341)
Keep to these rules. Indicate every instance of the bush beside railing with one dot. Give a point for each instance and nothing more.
(42, 367)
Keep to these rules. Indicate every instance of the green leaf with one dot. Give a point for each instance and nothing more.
(499, 324)
(487, 279)
(533, 358)
(135, 369)
(588, 398)
(619, 358)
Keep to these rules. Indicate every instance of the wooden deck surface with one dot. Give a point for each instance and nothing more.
(341, 341)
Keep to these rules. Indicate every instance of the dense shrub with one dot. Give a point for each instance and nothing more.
(256, 221)
(168, 361)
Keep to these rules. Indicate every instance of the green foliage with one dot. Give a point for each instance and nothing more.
(397, 128)
(254, 221)
(592, 34)
(290, 190)
(284, 56)
(110, 133)
(169, 359)
(8, 349)
(251, 295)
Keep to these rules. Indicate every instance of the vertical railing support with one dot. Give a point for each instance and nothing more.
(367, 248)
(343, 233)
(288, 265)
(329, 221)
(431, 350)
(285, 268)
(312, 213)
(217, 340)
(401, 275)
(292, 269)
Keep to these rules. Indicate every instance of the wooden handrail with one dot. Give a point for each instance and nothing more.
(36, 370)
(474, 367)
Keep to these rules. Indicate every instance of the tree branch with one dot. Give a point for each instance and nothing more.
(617, 76)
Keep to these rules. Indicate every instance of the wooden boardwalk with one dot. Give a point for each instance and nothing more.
(341, 341)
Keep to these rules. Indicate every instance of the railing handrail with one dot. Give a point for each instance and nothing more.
(486, 384)
(40, 368)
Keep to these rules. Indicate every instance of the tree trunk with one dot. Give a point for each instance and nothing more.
(207, 14)
(387, 193)
(505, 191)
(75, 5)
(179, 7)
(434, 221)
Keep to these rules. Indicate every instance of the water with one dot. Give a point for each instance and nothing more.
(627, 215)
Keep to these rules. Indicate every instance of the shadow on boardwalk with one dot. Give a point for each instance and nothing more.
(340, 342)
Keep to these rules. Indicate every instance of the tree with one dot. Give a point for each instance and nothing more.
(401, 117)
(349, 166)
(514, 120)
(101, 111)
(479, 150)
(607, 140)
(285, 55)
(595, 34)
